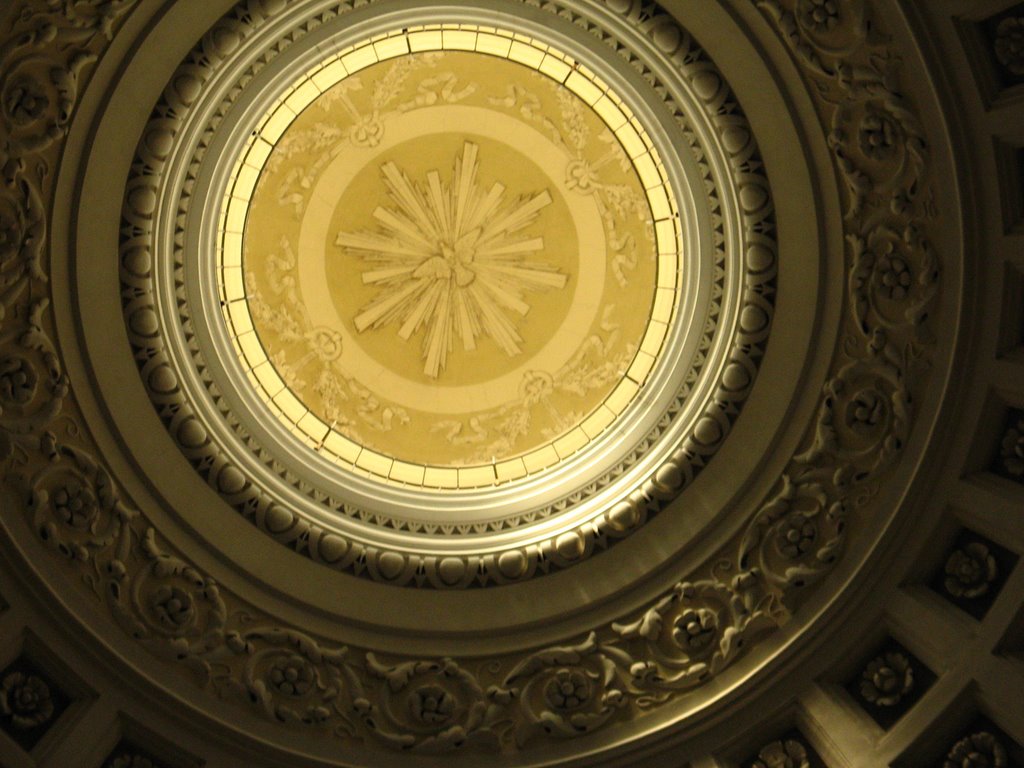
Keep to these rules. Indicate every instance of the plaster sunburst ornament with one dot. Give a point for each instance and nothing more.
(451, 258)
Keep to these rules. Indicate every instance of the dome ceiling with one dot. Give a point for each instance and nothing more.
(525, 384)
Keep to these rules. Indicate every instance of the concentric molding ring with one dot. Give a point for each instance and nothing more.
(374, 492)
(742, 233)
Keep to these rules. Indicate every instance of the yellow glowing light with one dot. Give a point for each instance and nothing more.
(329, 439)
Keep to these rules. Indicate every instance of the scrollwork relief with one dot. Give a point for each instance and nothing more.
(426, 706)
(75, 506)
(166, 604)
(42, 61)
(290, 676)
(866, 413)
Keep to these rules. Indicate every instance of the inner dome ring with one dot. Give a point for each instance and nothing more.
(639, 354)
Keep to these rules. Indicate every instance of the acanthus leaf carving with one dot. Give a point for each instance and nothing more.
(427, 706)
(565, 691)
(696, 630)
(290, 676)
(75, 507)
(168, 605)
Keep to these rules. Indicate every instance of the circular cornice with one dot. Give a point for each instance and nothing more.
(699, 367)
(708, 602)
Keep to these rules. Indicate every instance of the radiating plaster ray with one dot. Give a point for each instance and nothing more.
(449, 260)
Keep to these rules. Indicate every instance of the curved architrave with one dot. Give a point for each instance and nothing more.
(388, 562)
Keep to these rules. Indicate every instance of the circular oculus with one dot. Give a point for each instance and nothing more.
(466, 296)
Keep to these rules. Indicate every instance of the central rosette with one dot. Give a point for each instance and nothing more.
(453, 258)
